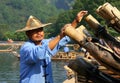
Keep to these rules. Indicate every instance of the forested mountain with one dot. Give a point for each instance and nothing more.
(14, 14)
(17, 11)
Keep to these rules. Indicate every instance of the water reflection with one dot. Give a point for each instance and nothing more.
(9, 69)
(59, 73)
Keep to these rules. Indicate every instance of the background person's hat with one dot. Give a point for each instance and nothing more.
(33, 23)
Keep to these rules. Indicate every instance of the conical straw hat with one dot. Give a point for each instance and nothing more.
(33, 23)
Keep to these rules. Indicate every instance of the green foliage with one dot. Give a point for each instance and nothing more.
(113, 32)
(91, 6)
(63, 18)
(14, 14)
(3, 30)
(21, 36)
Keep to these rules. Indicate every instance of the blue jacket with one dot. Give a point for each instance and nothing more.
(35, 61)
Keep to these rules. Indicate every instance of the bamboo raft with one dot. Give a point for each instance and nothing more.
(9, 47)
(13, 47)
(61, 56)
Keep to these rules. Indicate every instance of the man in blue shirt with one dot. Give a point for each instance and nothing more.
(36, 53)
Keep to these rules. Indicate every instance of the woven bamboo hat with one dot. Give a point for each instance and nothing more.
(32, 23)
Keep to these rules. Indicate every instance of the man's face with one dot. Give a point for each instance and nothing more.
(36, 35)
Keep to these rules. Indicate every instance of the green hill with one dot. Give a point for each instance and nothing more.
(14, 14)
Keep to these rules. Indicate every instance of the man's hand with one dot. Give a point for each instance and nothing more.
(55, 41)
(80, 15)
(79, 18)
(62, 34)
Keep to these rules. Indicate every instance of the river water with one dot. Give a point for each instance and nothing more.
(9, 69)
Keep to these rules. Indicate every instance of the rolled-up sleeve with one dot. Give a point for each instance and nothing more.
(64, 41)
(61, 43)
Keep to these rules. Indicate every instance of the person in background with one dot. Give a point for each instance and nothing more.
(36, 53)
(10, 40)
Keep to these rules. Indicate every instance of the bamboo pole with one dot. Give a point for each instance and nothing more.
(77, 35)
(93, 23)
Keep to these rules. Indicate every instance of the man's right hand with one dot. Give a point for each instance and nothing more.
(62, 34)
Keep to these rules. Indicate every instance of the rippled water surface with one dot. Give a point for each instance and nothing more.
(9, 69)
